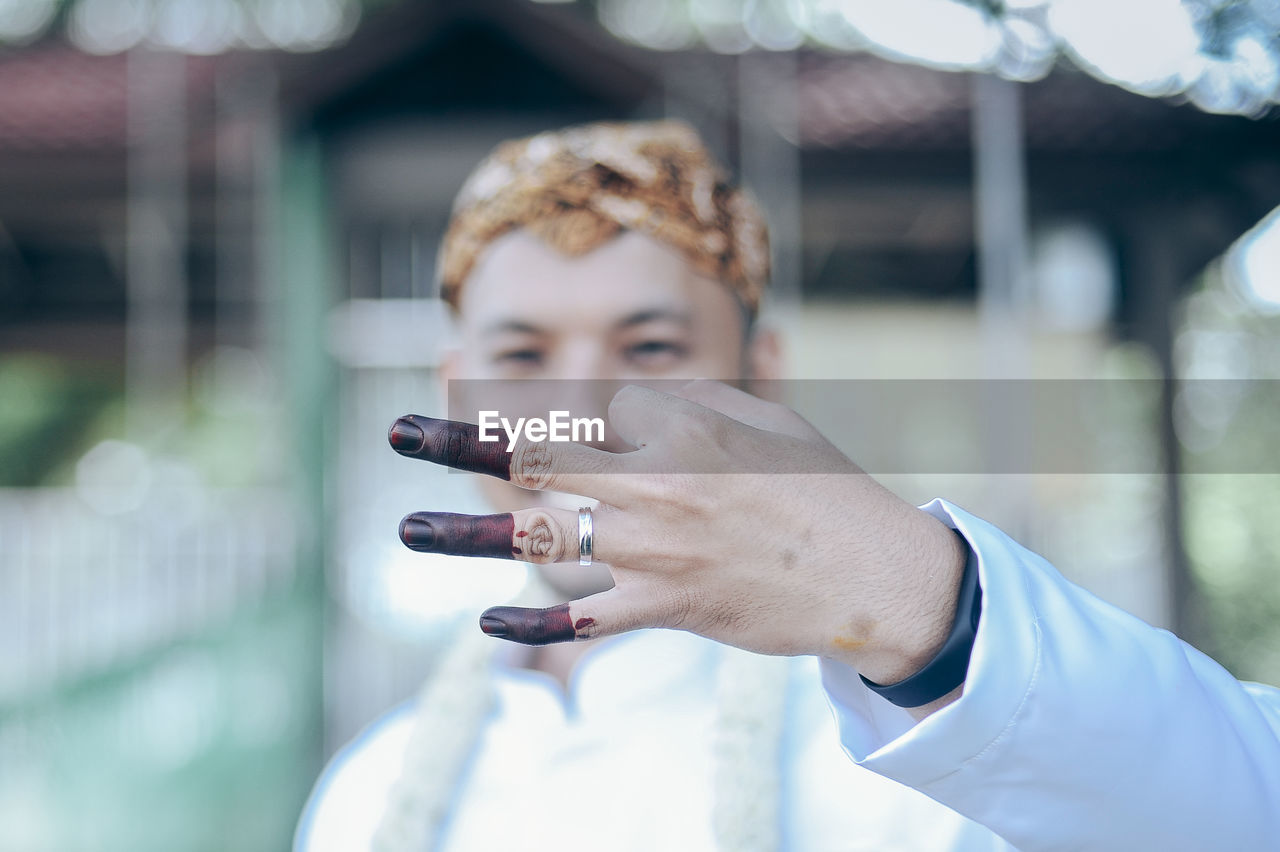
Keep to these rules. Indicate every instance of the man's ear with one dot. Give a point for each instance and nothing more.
(764, 364)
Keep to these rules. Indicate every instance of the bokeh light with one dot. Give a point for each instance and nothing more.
(23, 20)
(1223, 55)
(1144, 45)
(1253, 266)
(210, 26)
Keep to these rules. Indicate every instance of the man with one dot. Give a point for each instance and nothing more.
(619, 253)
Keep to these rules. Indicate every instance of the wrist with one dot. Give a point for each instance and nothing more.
(919, 611)
(945, 672)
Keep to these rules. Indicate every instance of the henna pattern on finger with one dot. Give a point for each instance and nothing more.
(532, 626)
(541, 538)
(450, 443)
(460, 535)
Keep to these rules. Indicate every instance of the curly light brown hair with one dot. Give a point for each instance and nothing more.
(579, 187)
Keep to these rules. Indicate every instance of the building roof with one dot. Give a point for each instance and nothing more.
(55, 98)
(863, 102)
(885, 146)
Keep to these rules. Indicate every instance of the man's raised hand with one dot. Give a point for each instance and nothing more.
(732, 518)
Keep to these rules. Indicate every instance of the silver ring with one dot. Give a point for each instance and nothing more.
(584, 535)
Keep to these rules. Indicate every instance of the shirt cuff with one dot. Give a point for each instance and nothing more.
(1002, 672)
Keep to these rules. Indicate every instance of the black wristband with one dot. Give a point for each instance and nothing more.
(949, 666)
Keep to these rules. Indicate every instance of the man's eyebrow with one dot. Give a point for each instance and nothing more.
(654, 315)
(512, 326)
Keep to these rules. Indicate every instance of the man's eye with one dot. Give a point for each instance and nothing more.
(655, 350)
(524, 357)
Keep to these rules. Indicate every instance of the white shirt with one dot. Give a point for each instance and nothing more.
(626, 759)
(1080, 727)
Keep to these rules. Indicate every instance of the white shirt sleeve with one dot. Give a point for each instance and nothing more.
(1080, 726)
(830, 804)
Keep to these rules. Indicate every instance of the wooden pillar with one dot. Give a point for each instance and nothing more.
(156, 245)
(1154, 280)
(1000, 239)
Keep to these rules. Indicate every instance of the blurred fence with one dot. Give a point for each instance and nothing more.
(81, 591)
(155, 681)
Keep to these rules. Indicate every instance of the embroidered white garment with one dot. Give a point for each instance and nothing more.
(624, 761)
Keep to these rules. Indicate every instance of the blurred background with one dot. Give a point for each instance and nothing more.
(218, 225)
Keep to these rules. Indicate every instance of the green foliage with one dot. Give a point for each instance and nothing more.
(45, 407)
(1233, 541)
(1229, 351)
(203, 745)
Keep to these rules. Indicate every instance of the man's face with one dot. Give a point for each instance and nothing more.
(631, 310)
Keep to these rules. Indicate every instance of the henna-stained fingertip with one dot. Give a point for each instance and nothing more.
(530, 626)
(405, 436)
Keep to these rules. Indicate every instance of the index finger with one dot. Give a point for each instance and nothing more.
(539, 466)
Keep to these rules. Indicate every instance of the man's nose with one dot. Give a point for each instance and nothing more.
(581, 360)
(586, 381)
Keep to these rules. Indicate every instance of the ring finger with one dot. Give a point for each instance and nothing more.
(538, 535)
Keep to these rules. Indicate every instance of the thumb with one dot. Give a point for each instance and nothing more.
(748, 409)
(642, 414)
